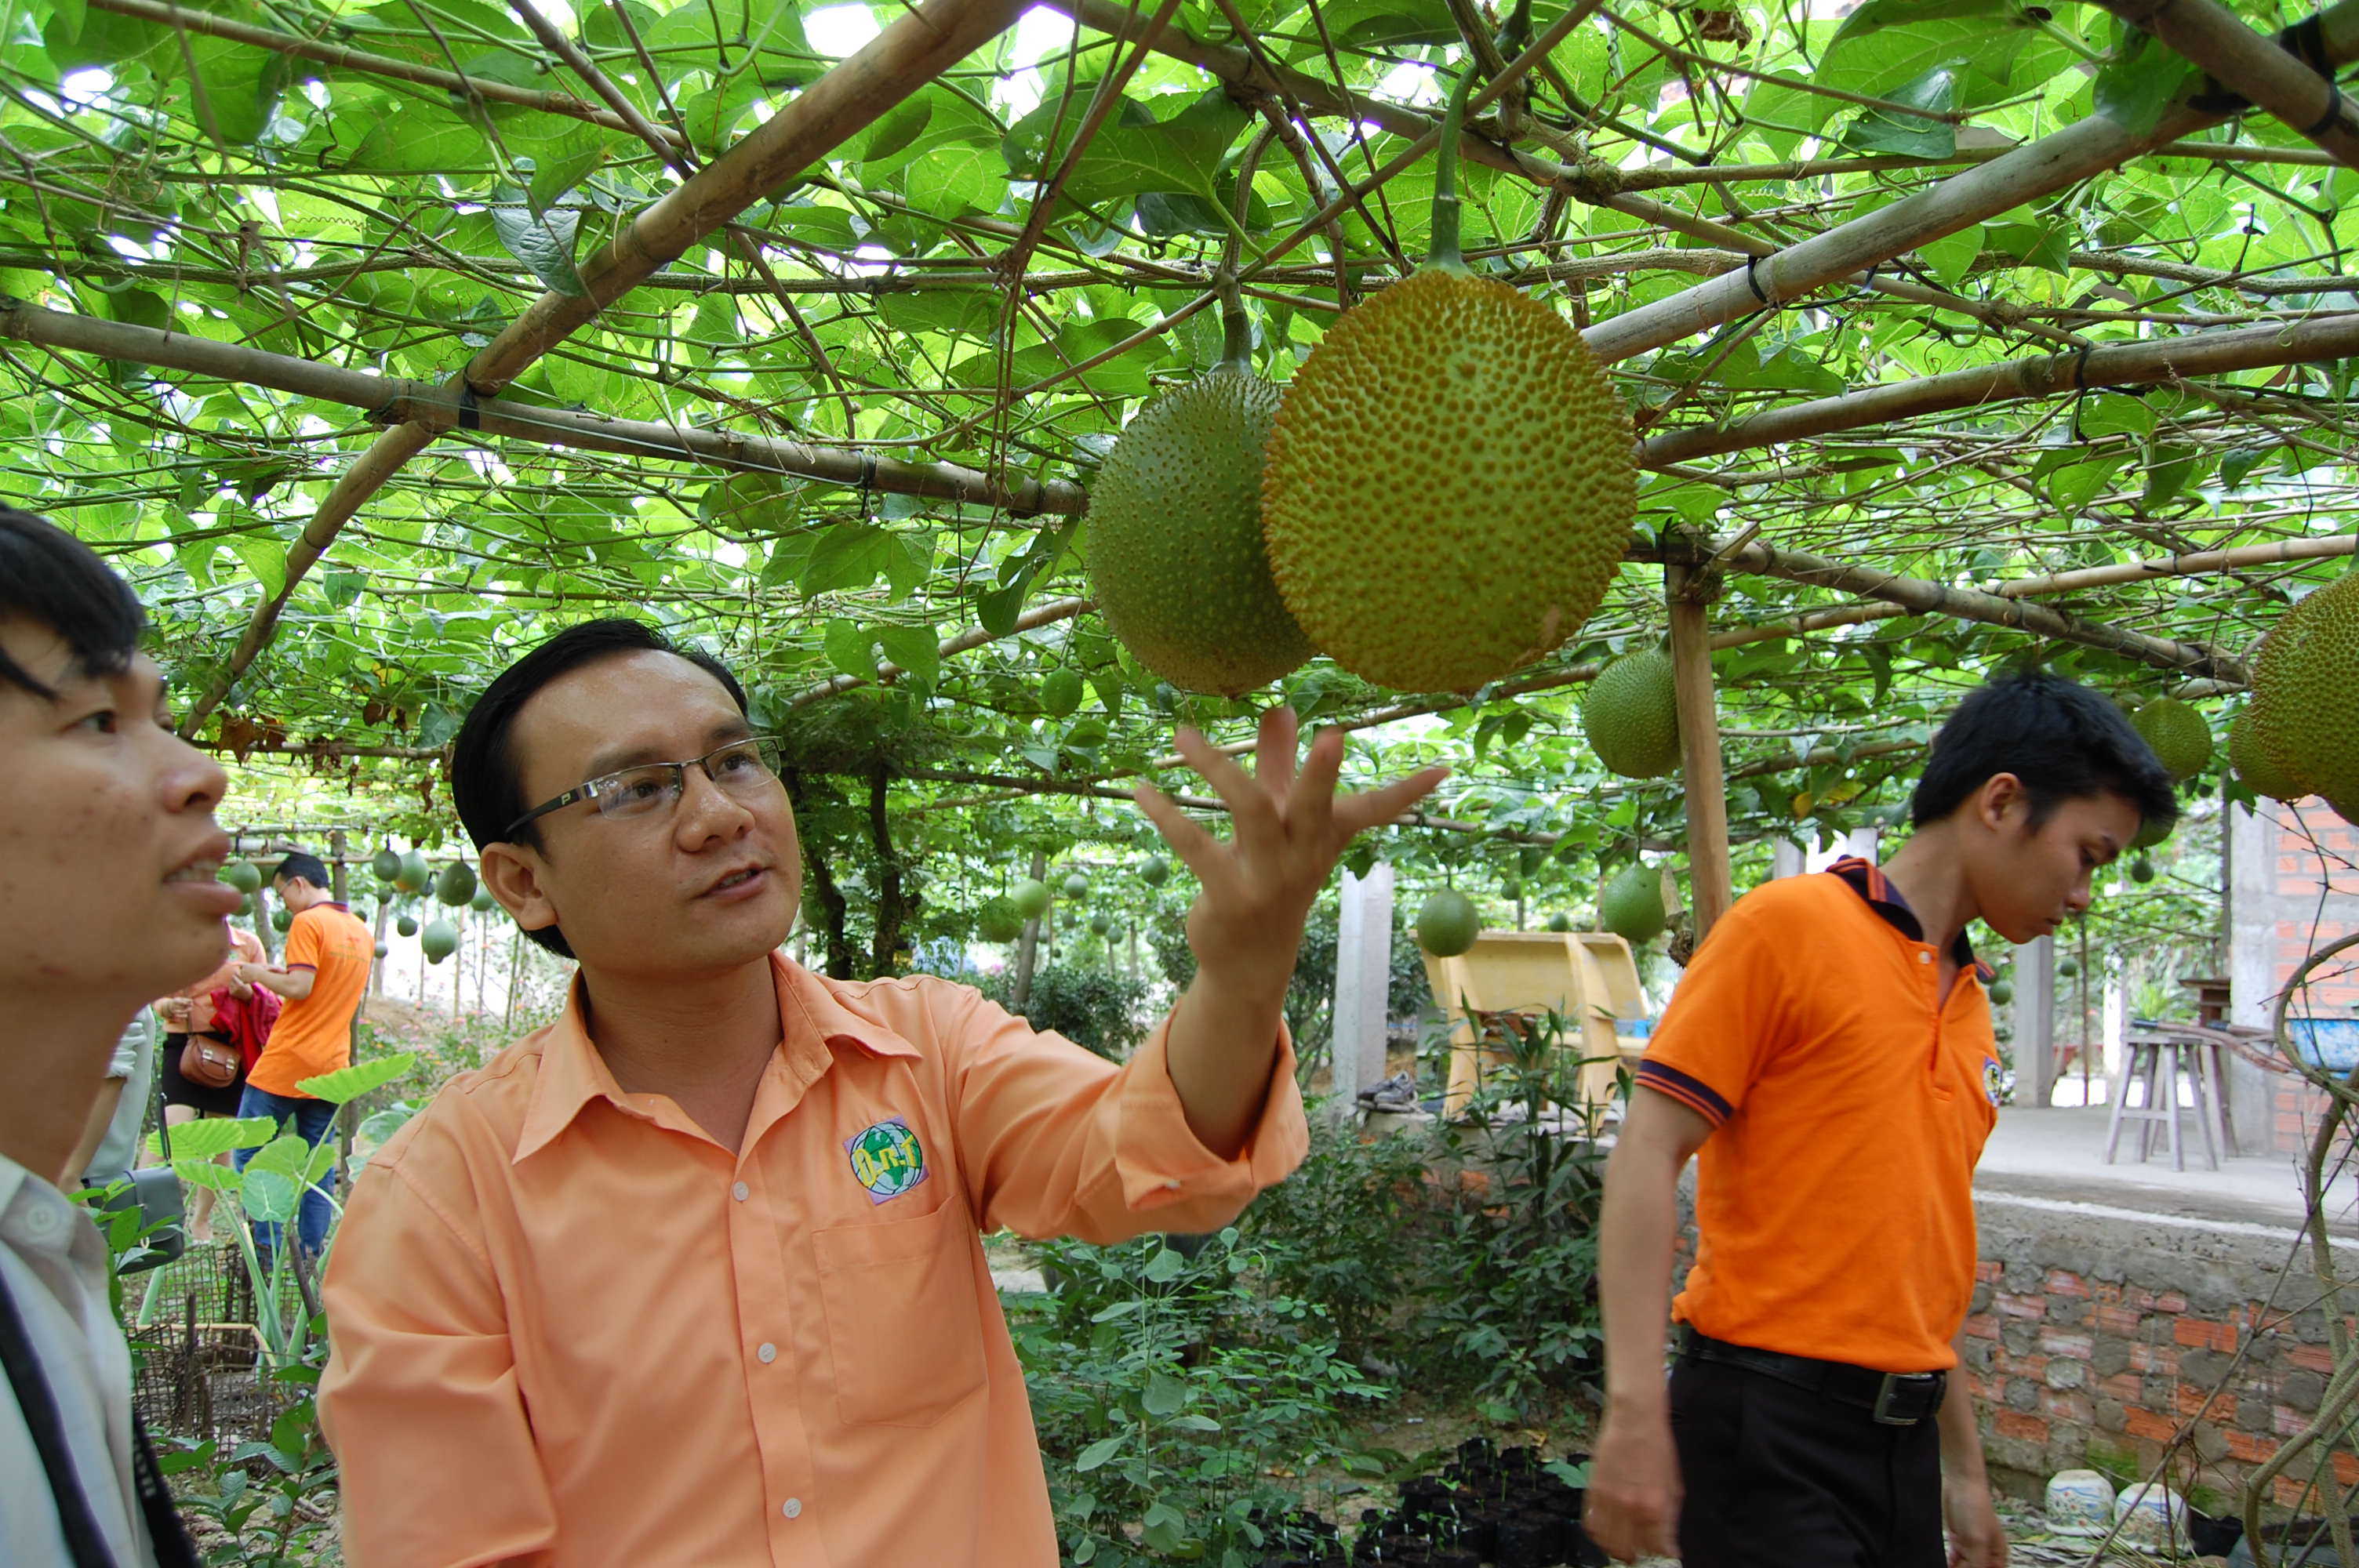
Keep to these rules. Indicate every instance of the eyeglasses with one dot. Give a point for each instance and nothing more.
(744, 769)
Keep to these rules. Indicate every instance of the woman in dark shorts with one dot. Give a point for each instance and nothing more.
(190, 1012)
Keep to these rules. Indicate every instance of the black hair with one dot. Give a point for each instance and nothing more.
(2064, 741)
(50, 577)
(485, 784)
(310, 868)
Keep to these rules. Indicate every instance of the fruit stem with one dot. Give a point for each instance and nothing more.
(1445, 249)
(1237, 326)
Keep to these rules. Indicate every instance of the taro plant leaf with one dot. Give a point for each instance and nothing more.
(543, 241)
(272, 1185)
(347, 1084)
(203, 1140)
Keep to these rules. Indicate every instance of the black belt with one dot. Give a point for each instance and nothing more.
(1895, 1399)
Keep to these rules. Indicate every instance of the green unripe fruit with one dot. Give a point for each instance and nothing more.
(281, 918)
(1030, 898)
(381, 949)
(2067, 968)
(439, 940)
(413, 875)
(1632, 905)
(246, 906)
(406, 926)
(1077, 886)
(1559, 921)
(2253, 764)
(2002, 992)
(456, 885)
(243, 875)
(2180, 739)
(1511, 890)
(1448, 923)
(482, 902)
(1530, 859)
(1156, 872)
(997, 921)
(1631, 716)
(1176, 559)
(1060, 693)
(384, 865)
(2141, 869)
(1100, 925)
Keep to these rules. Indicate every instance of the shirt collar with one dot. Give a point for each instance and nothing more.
(1872, 885)
(572, 1073)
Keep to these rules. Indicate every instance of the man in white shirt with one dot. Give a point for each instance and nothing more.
(108, 898)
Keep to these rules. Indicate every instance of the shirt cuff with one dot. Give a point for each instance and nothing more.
(1158, 1156)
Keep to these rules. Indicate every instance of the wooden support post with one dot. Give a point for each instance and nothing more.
(1708, 876)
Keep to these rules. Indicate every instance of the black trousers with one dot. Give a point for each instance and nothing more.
(1778, 1477)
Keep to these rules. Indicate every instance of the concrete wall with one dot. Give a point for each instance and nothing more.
(2101, 1335)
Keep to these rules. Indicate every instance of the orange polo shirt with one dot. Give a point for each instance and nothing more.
(314, 1033)
(567, 1327)
(1834, 1198)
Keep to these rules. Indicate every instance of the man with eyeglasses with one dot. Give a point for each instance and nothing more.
(694, 1275)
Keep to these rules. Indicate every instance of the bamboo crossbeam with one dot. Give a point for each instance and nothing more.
(2304, 97)
(2026, 173)
(1923, 598)
(435, 408)
(2277, 552)
(921, 44)
(2320, 339)
(297, 47)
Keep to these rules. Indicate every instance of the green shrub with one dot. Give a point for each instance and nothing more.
(1097, 1009)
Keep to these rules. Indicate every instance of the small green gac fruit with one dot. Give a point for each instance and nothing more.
(1448, 923)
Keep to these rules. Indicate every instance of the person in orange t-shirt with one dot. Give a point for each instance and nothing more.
(1830, 1053)
(695, 1275)
(323, 974)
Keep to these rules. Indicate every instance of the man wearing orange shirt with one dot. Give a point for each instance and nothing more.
(1830, 1053)
(694, 1276)
(323, 975)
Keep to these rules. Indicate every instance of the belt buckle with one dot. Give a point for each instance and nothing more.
(1884, 1394)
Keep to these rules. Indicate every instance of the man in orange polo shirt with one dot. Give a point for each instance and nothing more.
(323, 974)
(1830, 1053)
(695, 1276)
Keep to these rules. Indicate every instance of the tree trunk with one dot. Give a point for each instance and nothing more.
(822, 884)
(892, 909)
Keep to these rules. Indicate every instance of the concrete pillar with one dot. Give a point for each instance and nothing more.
(1364, 966)
(2035, 1021)
(1861, 841)
(2253, 915)
(1785, 857)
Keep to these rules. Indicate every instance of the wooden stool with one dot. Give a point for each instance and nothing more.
(2155, 1063)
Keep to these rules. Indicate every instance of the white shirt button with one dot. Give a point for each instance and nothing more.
(767, 1354)
(792, 1507)
(1923, 957)
(41, 1218)
(741, 1192)
(1173, 1183)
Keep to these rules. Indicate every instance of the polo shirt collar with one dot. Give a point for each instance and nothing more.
(1873, 886)
(572, 1073)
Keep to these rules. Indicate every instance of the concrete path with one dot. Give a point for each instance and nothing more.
(2058, 1155)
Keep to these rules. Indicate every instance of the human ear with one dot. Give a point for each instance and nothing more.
(514, 876)
(2000, 799)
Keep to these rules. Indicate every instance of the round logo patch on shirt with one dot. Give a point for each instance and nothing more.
(1994, 1079)
(886, 1159)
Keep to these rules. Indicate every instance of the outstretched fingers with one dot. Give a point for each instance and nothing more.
(1196, 850)
(1373, 808)
(1258, 825)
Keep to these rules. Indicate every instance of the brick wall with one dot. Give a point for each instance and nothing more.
(2100, 1339)
(2313, 886)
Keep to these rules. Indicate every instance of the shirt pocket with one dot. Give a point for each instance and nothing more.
(904, 1328)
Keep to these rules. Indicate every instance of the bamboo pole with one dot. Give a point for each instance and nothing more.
(915, 49)
(2194, 562)
(1040, 615)
(294, 45)
(2300, 93)
(2174, 359)
(1924, 598)
(1687, 590)
(2078, 151)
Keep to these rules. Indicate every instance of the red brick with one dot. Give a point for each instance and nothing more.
(1987, 1388)
(2064, 1283)
(2197, 1333)
(2137, 1296)
(2068, 1405)
(2346, 1467)
(2248, 1447)
(2068, 1343)
(1982, 1325)
(2016, 1423)
(1988, 1269)
(2146, 1423)
(2034, 1367)
(2106, 1290)
(2030, 1309)
(2121, 1386)
(2313, 1357)
(2288, 1421)
(2170, 1301)
(2154, 1359)
(2117, 1319)
(2195, 1401)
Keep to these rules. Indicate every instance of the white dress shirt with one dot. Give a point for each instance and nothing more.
(53, 1263)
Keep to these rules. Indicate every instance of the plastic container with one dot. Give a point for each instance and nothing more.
(2079, 1502)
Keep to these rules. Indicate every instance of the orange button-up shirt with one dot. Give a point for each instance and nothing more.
(570, 1328)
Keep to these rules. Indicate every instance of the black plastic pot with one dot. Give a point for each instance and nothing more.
(1528, 1540)
(2210, 1537)
(1456, 1557)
